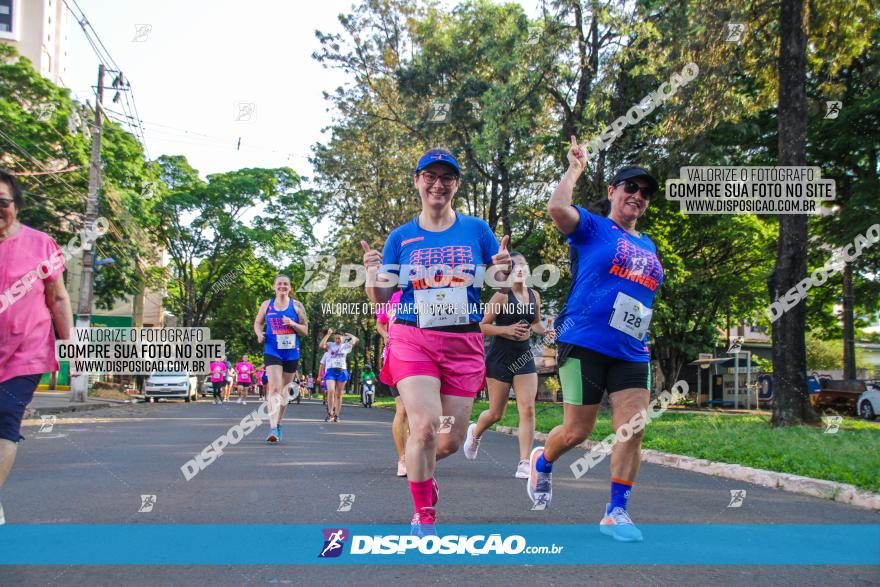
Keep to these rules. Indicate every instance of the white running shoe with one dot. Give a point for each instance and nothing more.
(471, 443)
(244, 401)
(401, 468)
(2, 515)
(522, 470)
(540, 485)
(238, 401)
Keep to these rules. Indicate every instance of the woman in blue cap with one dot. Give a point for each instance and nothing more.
(435, 355)
(603, 341)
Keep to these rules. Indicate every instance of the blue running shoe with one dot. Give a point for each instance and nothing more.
(273, 435)
(619, 525)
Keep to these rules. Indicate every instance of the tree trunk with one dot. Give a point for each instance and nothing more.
(791, 405)
(849, 337)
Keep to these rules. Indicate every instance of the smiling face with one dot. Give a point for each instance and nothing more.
(281, 286)
(625, 206)
(438, 194)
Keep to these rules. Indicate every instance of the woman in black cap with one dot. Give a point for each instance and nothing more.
(604, 332)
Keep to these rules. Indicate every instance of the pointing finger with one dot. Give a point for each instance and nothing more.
(366, 246)
(504, 240)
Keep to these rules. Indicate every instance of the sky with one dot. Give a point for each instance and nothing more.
(207, 74)
(203, 64)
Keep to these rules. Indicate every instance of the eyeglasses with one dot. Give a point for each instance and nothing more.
(4, 203)
(445, 180)
(632, 187)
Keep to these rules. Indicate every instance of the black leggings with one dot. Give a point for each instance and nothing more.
(218, 388)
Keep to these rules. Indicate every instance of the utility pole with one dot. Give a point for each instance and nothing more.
(80, 383)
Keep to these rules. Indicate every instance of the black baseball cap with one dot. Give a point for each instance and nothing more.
(625, 173)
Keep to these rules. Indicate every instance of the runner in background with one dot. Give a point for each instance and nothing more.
(399, 428)
(27, 330)
(436, 356)
(510, 319)
(322, 383)
(244, 370)
(283, 320)
(230, 381)
(218, 380)
(310, 385)
(258, 379)
(336, 374)
(603, 340)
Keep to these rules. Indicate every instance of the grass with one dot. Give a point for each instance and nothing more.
(852, 455)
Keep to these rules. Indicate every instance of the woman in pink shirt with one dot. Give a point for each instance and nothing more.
(218, 380)
(32, 301)
(245, 370)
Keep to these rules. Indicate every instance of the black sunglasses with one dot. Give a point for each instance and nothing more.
(632, 187)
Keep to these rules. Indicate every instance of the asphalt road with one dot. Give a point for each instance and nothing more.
(92, 469)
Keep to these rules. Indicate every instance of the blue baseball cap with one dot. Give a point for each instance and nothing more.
(437, 156)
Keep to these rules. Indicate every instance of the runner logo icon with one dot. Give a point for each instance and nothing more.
(334, 541)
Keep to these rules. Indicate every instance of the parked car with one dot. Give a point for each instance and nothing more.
(869, 403)
(207, 387)
(180, 385)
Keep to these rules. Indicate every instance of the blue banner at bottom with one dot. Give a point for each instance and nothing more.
(299, 544)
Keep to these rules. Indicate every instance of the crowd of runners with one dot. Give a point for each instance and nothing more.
(427, 280)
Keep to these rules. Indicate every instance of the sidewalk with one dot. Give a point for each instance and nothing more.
(58, 402)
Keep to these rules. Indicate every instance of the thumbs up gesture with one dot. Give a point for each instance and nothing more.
(372, 257)
(502, 257)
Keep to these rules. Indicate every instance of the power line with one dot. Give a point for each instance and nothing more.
(110, 64)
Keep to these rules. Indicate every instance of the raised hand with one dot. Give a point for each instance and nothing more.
(577, 157)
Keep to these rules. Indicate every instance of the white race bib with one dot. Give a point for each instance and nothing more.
(286, 341)
(630, 316)
(444, 306)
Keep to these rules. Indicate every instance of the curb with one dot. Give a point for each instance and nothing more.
(821, 488)
(87, 407)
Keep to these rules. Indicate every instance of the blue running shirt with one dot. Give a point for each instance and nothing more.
(607, 261)
(275, 327)
(459, 255)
